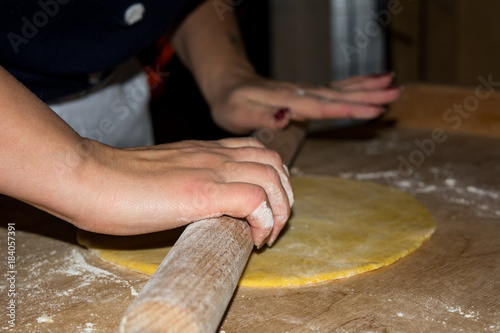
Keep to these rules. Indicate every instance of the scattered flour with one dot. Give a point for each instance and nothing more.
(78, 266)
(404, 183)
(461, 201)
(89, 327)
(458, 309)
(482, 192)
(370, 175)
(88, 273)
(83, 275)
(426, 189)
(295, 171)
(45, 319)
(450, 182)
(437, 306)
(443, 182)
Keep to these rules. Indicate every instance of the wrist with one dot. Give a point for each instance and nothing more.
(69, 182)
(87, 188)
(215, 86)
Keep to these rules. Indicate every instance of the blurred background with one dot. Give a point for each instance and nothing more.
(445, 42)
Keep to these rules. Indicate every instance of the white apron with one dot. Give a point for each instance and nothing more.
(115, 112)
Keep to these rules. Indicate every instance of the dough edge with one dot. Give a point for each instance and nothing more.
(116, 256)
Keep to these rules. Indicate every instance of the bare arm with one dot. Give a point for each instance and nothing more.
(241, 100)
(132, 191)
(39, 151)
(212, 49)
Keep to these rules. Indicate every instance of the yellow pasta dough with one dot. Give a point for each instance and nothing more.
(338, 228)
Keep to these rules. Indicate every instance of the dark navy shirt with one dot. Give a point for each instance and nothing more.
(52, 46)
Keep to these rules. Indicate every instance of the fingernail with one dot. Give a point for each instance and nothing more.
(259, 246)
(281, 114)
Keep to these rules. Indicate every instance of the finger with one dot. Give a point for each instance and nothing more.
(179, 145)
(268, 157)
(245, 200)
(319, 107)
(241, 142)
(379, 97)
(275, 184)
(267, 116)
(222, 143)
(256, 114)
(364, 82)
(252, 152)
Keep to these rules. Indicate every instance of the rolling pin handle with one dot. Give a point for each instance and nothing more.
(190, 290)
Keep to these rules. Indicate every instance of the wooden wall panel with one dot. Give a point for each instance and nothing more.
(445, 41)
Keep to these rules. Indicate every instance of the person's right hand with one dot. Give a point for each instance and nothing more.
(148, 189)
(132, 191)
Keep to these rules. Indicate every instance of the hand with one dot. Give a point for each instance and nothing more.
(139, 190)
(147, 189)
(249, 102)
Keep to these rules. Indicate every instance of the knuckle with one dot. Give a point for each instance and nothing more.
(274, 157)
(340, 111)
(265, 135)
(202, 196)
(254, 196)
(272, 173)
(323, 111)
(249, 154)
(254, 142)
(367, 97)
(229, 168)
(259, 195)
(240, 92)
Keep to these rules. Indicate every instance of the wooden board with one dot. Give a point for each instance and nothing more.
(445, 41)
(450, 284)
(458, 110)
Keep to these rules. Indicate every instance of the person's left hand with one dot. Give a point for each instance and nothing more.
(250, 102)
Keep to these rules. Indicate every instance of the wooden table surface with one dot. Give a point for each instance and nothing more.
(450, 284)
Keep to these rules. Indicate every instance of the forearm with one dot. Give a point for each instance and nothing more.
(136, 190)
(39, 151)
(212, 49)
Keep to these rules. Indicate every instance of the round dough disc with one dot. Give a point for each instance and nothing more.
(338, 228)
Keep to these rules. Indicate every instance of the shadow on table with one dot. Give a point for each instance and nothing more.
(365, 130)
(30, 219)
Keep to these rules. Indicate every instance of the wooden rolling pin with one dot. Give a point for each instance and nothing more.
(190, 290)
